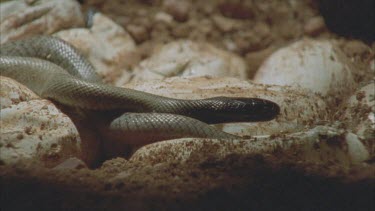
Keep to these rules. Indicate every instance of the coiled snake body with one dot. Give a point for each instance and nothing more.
(55, 70)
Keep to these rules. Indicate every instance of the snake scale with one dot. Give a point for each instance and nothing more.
(55, 70)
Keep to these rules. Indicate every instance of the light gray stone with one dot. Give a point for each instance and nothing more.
(188, 58)
(19, 19)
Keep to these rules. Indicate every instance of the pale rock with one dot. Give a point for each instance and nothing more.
(164, 17)
(107, 46)
(34, 129)
(358, 48)
(187, 58)
(364, 96)
(179, 9)
(306, 146)
(226, 24)
(299, 108)
(139, 32)
(314, 26)
(360, 111)
(13, 93)
(19, 19)
(319, 66)
(356, 149)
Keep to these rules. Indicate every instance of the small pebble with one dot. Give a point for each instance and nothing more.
(179, 9)
(236, 10)
(314, 26)
(356, 48)
(224, 24)
(164, 17)
(138, 32)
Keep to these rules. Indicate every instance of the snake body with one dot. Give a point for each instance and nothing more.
(55, 70)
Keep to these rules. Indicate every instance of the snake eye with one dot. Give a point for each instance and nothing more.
(226, 109)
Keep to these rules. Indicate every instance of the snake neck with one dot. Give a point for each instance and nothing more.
(220, 109)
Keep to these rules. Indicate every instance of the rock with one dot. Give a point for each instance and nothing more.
(187, 58)
(138, 32)
(179, 9)
(359, 112)
(34, 129)
(13, 93)
(107, 45)
(237, 10)
(71, 163)
(299, 108)
(319, 145)
(356, 48)
(319, 66)
(363, 56)
(314, 26)
(363, 97)
(356, 149)
(225, 24)
(164, 17)
(254, 39)
(263, 30)
(21, 19)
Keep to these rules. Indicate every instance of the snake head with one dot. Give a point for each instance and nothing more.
(227, 109)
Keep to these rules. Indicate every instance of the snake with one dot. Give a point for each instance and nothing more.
(55, 70)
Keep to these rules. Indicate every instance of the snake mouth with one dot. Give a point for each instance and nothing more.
(226, 109)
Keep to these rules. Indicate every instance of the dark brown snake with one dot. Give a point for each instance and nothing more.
(55, 70)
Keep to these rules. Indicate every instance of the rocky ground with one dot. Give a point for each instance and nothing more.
(317, 155)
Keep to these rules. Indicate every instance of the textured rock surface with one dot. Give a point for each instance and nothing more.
(187, 58)
(21, 19)
(320, 145)
(107, 45)
(34, 129)
(316, 65)
(359, 112)
(295, 114)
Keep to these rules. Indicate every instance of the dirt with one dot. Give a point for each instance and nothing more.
(236, 182)
(253, 30)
